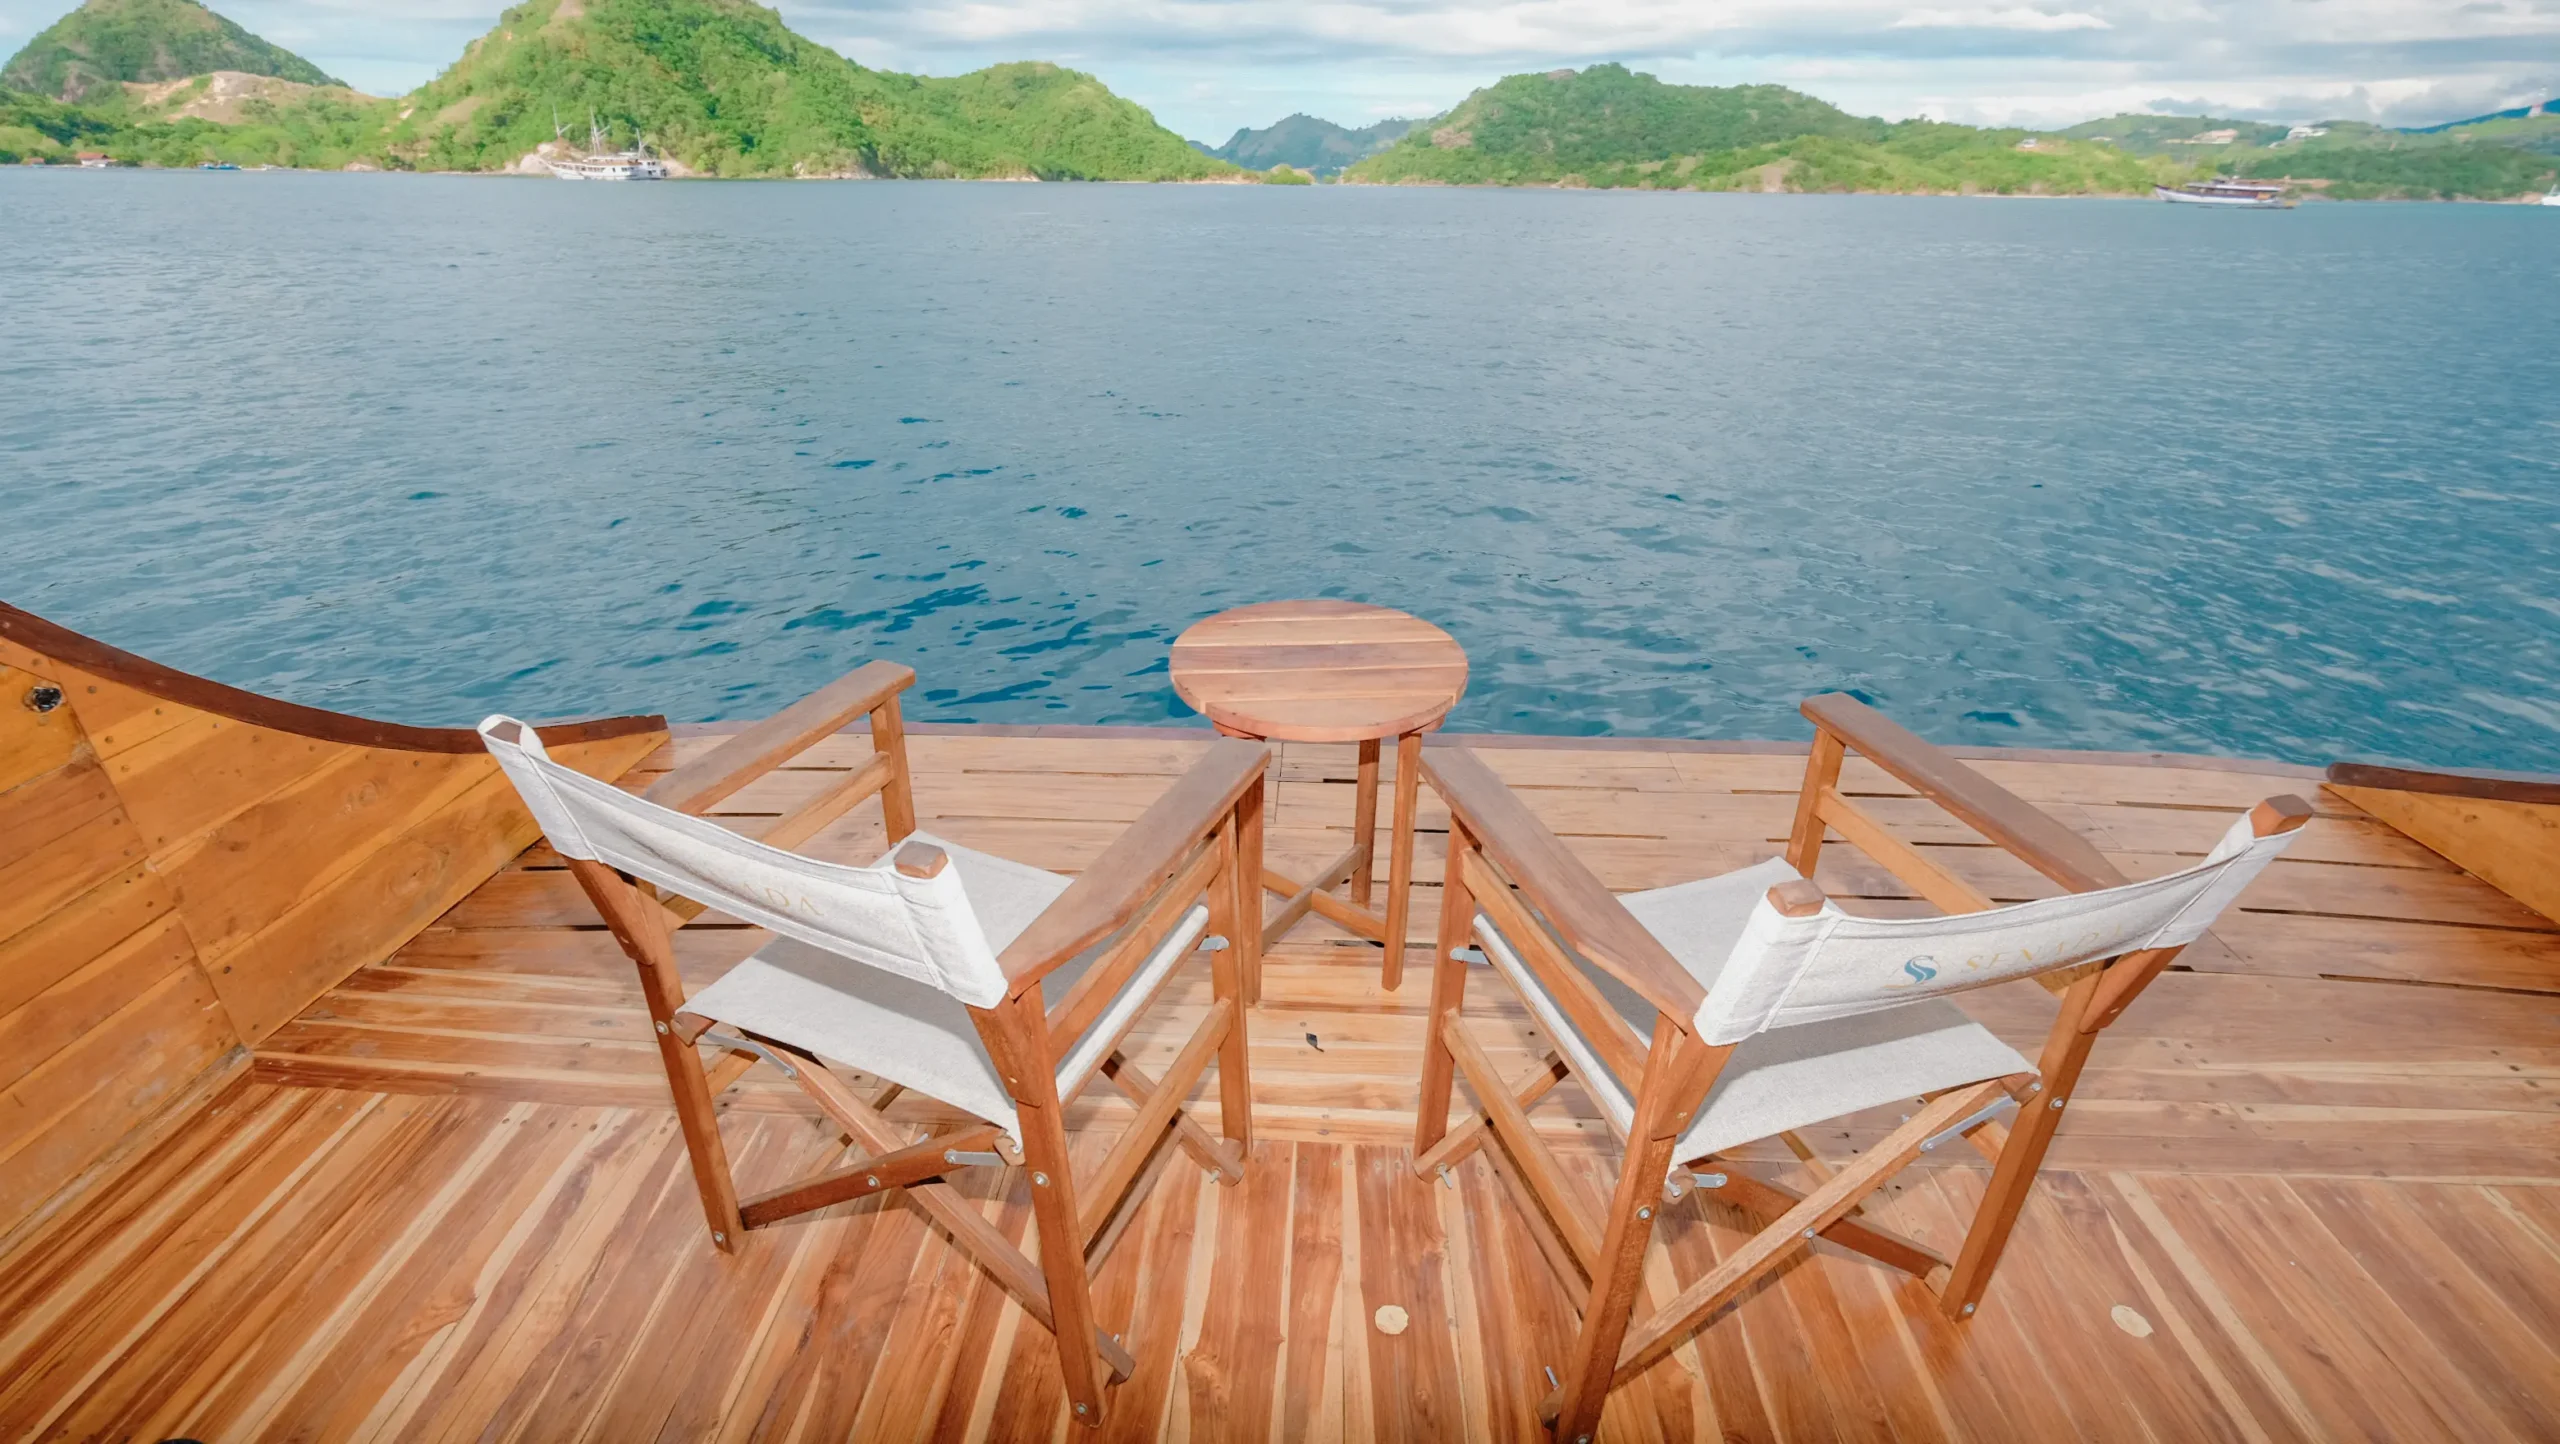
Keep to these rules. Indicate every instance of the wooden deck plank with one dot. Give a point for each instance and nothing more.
(2320, 1163)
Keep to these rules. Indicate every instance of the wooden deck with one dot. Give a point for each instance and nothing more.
(2311, 1187)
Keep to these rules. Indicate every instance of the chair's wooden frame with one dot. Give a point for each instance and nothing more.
(1506, 864)
(1188, 844)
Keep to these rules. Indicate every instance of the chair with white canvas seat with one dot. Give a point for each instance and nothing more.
(998, 989)
(1748, 1006)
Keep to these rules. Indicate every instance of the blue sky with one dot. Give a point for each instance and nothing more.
(1206, 67)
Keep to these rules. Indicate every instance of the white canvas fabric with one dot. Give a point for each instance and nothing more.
(885, 1023)
(920, 928)
(1078, 1067)
(1832, 1014)
(892, 1001)
(1787, 1077)
(1787, 971)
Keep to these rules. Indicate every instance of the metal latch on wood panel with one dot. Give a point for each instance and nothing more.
(1968, 1123)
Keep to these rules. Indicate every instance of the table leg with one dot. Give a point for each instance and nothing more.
(1400, 856)
(1249, 889)
(1364, 823)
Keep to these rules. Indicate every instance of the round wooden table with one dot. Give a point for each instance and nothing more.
(1332, 672)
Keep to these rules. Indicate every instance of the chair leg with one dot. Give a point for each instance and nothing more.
(639, 924)
(2014, 1175)
(700, 1121)
(1676, 1079)
(1017, 1034)
(1448, 994)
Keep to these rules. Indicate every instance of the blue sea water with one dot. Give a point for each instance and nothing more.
(2061, 473)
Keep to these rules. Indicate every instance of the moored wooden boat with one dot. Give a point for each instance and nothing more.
(433, 1186)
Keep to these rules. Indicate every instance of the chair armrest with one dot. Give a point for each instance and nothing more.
(1105, 896)
(698, 785)
(1982, 804)
(1577, 904)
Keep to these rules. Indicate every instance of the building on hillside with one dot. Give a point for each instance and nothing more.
(2306, 132)
(2207, 137)
(96, 160)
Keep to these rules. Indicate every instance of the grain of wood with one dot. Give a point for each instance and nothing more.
(2403, 1130)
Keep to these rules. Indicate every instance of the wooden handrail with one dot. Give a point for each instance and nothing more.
(51, 639)
(1984, 805)
(1105, 896)
(2539, 788)
(707, 780)
(1576, 904)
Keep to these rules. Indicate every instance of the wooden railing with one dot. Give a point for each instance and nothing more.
(2502, 827)
(185, 865)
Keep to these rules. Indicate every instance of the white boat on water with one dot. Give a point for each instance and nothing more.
(635, 164)
(2553, 199)
(2246, 195)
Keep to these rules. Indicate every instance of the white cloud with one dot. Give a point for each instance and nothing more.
(2013, 19)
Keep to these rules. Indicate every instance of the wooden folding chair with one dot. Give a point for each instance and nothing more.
(1715, 1013)
(996, 988)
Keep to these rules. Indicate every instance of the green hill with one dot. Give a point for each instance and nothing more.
(726, 88)
(2493, 157)
(1318, 147)
(1529, 129)
(1608, 126)
(721, 86)
(89, 53)
(2169, 134)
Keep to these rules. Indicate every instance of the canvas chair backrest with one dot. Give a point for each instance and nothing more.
(1785, 971)
(919, 928)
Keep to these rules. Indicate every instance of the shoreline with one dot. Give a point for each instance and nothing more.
(2310, 193)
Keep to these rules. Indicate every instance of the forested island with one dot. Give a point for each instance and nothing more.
(725, 88)
(722, 87)
(1607, 126)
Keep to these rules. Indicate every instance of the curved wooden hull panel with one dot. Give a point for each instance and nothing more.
(184, 866)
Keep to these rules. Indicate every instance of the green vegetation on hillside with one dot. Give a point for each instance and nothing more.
(2491, 157)
(89, 53)
(1303, 142)
(326, 129)
(721, 86)
(1608, 126)
(2169, 134)
(727, 89)
(2422, 173)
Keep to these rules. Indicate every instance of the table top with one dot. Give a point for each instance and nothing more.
(1319, 671)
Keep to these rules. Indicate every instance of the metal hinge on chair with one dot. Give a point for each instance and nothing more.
(749, 1045)
(1214, 944)
(965, 1158)
(1968, 1123)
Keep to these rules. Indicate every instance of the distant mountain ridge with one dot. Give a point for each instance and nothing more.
(1307, 143)
(2549, 107)
(106, 43)
(723, 87)
(1606, 126)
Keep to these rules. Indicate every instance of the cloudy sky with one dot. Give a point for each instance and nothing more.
(1208, 66)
